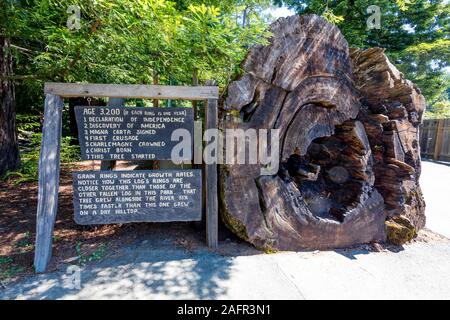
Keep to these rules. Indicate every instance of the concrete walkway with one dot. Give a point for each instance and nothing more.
(421, 271)
(435, 183)
(156, 269)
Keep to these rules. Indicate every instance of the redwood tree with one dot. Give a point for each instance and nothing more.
(9, 150)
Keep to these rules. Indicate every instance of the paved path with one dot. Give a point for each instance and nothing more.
(156, 269)
(435, 182)
(421, 271)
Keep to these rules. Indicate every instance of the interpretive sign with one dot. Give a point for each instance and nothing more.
(102, 197)
(130, 133)
(126, 133)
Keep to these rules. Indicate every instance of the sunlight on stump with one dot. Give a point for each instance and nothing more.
(328, 192)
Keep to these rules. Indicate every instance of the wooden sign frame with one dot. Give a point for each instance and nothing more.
(49, 160)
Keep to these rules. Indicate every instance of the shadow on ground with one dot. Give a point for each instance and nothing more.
(163, 261)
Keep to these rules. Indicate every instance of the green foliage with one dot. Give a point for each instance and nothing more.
(331, 17)
(441, 108)
(97, 255)
(121, 41)
(69, 151)
(28, 122)
(28, 170)
(141, 41)
(26, 242)
(5, 260)
(425, 64)
(8, 269)
(415, 34)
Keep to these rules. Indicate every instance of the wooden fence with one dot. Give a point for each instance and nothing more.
(435, 139)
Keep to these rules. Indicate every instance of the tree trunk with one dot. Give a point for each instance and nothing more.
(325, 194)
(9, 149)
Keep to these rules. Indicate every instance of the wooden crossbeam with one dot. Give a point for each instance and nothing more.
(131, 91)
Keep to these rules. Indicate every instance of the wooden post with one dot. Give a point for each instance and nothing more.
(439, 136)
(196, 117)
(48, 181)
(211, 181)
(195, 83)
(155, 81)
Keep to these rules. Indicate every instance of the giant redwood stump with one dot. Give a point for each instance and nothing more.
(349, 157)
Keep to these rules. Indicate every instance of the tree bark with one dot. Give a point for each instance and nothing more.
(393, 112)
(9, 149)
